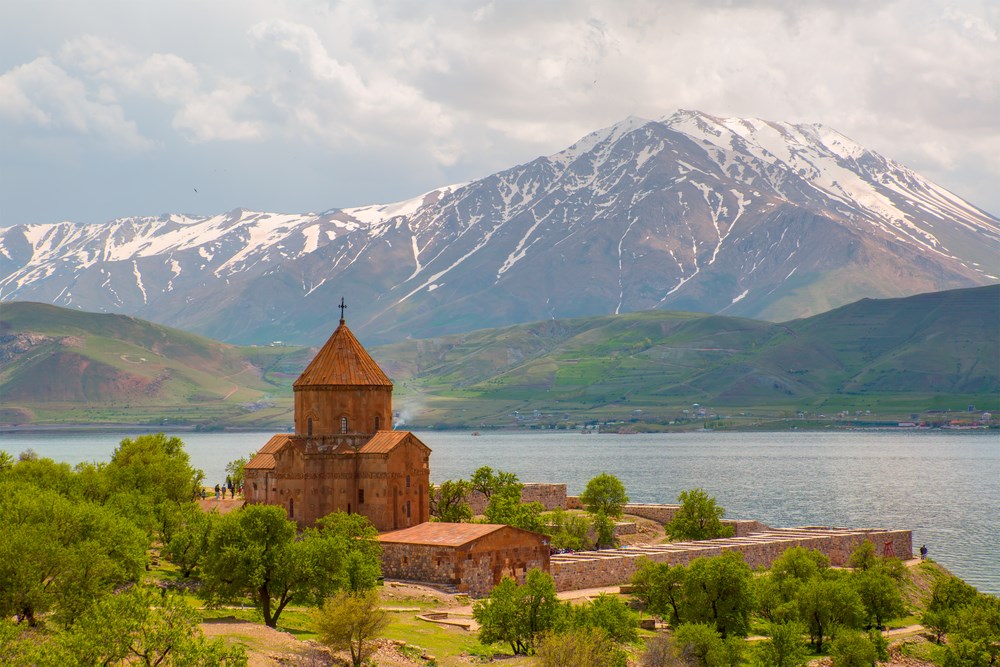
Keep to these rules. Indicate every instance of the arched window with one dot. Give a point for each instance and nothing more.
(376, 422)
(291, 508)
(309, 427)
(343, 424)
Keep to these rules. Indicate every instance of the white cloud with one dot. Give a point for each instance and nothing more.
(458, 90)
(317, 95)
(42, 94)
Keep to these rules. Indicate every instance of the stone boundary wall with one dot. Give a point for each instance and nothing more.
(745, 527)
(626, 528)
(594, 569)
(659, 513)
(664, 514)
(551, 496)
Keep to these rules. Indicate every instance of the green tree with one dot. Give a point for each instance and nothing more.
(155, 466)
(253, 552)
(189, 540)
(770, 601)
(974, 640)
(235, 469)
(948, 595)
(566, 530)
(660, 587)
(659, 652)
(719, 591)
(490, 483)
(880, 596)
(45, 473)
(449, 501)
(698, 518)
(798, 564)
(863, 558)
(357, 539)
(142, 626)
(775, 591)
(605, 493)
(828, 602)
(852, 649)
(507, 508)
(699, 645)
(604, 529)
(517, 615)
(6, 462)
(580, 647)
(784, 648)
(610, 615)
(880, 643)
(58, 554)
(351, 621)
(148, 477)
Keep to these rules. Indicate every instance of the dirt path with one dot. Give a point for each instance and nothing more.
(267, 647)
(896, 633)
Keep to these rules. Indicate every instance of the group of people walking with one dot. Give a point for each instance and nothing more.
(220, 489)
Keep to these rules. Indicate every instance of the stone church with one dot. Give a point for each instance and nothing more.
(344, 454)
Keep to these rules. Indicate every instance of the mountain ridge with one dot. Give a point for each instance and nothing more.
(694, 212)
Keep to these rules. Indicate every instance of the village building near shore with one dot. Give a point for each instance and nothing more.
(344, 454)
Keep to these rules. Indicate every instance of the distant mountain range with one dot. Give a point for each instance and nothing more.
(692, 212)
(938, 351)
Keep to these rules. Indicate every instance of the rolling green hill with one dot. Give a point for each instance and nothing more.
(887, 358)
(872, 360)
(66, 366)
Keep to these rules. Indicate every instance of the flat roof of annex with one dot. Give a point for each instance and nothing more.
(436, 533)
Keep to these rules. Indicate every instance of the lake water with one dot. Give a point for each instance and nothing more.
(944, 486)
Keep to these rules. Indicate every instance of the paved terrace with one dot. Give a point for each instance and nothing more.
(587, 569)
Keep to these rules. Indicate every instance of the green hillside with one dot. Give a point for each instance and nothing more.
(871, 361)
(65, 366)
(874, 359)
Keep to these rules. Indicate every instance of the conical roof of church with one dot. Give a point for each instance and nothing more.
(342, 361)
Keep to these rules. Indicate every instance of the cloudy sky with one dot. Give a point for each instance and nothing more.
(127, 107)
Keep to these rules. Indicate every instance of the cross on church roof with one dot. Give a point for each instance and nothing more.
(343, 307)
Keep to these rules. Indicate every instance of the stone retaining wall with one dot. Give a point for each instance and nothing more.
(625, 528)
(593, 569)
(659, 513)
(665, 514)
(551, 496)
(745, 527)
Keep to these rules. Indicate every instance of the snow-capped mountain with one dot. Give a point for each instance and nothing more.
(690, 212)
